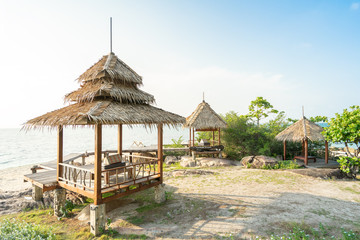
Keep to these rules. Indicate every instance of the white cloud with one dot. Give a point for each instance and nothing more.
(355, 6)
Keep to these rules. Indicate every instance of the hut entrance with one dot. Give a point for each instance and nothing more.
(109, 95)
(303, 131)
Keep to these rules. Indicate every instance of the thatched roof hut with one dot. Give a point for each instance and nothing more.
(108, 94)
(204, 118)
(301, 130)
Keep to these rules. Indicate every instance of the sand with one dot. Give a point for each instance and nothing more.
(11, 179)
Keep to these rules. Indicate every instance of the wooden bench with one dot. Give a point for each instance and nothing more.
(206, 152)
(114, 160)
(303, 158)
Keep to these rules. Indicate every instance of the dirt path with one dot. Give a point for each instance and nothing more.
(241, 203)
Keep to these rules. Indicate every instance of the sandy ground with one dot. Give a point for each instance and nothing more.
(232, 201)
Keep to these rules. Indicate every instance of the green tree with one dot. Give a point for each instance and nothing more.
(345, 128)
(260, 108)
(318, 119)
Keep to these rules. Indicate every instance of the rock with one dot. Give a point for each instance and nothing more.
(259, 161)
(188, 163)
(171, 160)
(215, 162)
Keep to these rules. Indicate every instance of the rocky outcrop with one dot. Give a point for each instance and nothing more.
(258, 161)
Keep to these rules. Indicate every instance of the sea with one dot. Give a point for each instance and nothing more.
(19, 147)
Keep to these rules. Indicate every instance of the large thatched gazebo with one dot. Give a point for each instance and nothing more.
(109, 94)
(303, 131)
(204, 118)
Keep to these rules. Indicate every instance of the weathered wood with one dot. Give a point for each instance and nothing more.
(284, 150)
(306, 152)
(44, 180)
(120, 139)
(60, 150)
(97, 167)
(193, 135)
(85, 193)
(326, 152)
(160, 151)
(190, 137)
(219, 137)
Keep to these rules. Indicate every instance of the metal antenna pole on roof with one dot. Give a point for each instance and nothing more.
(110, 34)
(303, 111)
(203, 96)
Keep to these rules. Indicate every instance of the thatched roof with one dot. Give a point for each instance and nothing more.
(108, 94)
(110, 66)
(301, 130)
(122, 93)
(204, 117)
(106, 112)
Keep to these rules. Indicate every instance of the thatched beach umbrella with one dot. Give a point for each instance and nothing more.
(204, 118)
(109, 94)
(302, 131)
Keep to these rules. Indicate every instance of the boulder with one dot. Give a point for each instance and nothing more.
(171, 160)
(188, 163)
(259, 161)
(215, 162)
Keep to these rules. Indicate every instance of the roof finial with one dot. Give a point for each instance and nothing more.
(203, 96)
(303, 115)
(110, 34)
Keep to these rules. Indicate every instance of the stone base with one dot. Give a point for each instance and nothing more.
(160, 193)
(59, 201)
(97, 219)
(37, 193)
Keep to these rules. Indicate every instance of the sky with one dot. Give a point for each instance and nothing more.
(292, 53)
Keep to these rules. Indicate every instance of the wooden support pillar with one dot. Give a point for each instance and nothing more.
(160, 151)
(213, 141)
(284, 150)
(190, 137)
(193, 135)
(303, 148)
(219, 137)
(306, 152)
(60, 152)
(97, 167)
(120, 139)
(326, 152)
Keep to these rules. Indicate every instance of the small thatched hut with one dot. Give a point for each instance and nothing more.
(204, 118)
(302, 131)
(109, 94)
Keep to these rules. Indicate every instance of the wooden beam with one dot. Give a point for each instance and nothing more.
(97, 167)
(219, 137)
(190, 137)
(306, 151)
(77, 190)
(326, 152)
(193, 135)
(284, 150)
(120, 139)
(60, 151)
(160, 151)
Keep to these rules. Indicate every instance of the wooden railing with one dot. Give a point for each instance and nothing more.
(77, 176)
(144, 169)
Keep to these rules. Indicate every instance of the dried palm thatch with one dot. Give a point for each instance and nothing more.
(106, 112)
(122, 93)
(109, 94)
(110, 66)
(204, 117)
(301, 130)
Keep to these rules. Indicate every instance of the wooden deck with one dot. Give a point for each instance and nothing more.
(320, 163)
(45, 180)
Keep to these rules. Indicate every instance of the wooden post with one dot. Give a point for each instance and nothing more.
(306, 151)
(219, 137)
(193, 135)
(284, 150)
(190, 137)
(213, 141)
(120, 139)
(60, 152)
(303, 148)
(160, 151)
(326, 152)
(97, 167)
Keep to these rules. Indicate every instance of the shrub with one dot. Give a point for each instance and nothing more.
(349, 165)
(11, 229)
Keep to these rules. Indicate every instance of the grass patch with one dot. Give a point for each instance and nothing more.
(136, 220)
(287, 164)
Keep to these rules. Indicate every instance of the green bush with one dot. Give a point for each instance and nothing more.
(349, 165)
(11, 229)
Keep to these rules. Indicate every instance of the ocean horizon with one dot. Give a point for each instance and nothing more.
(20, 147)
